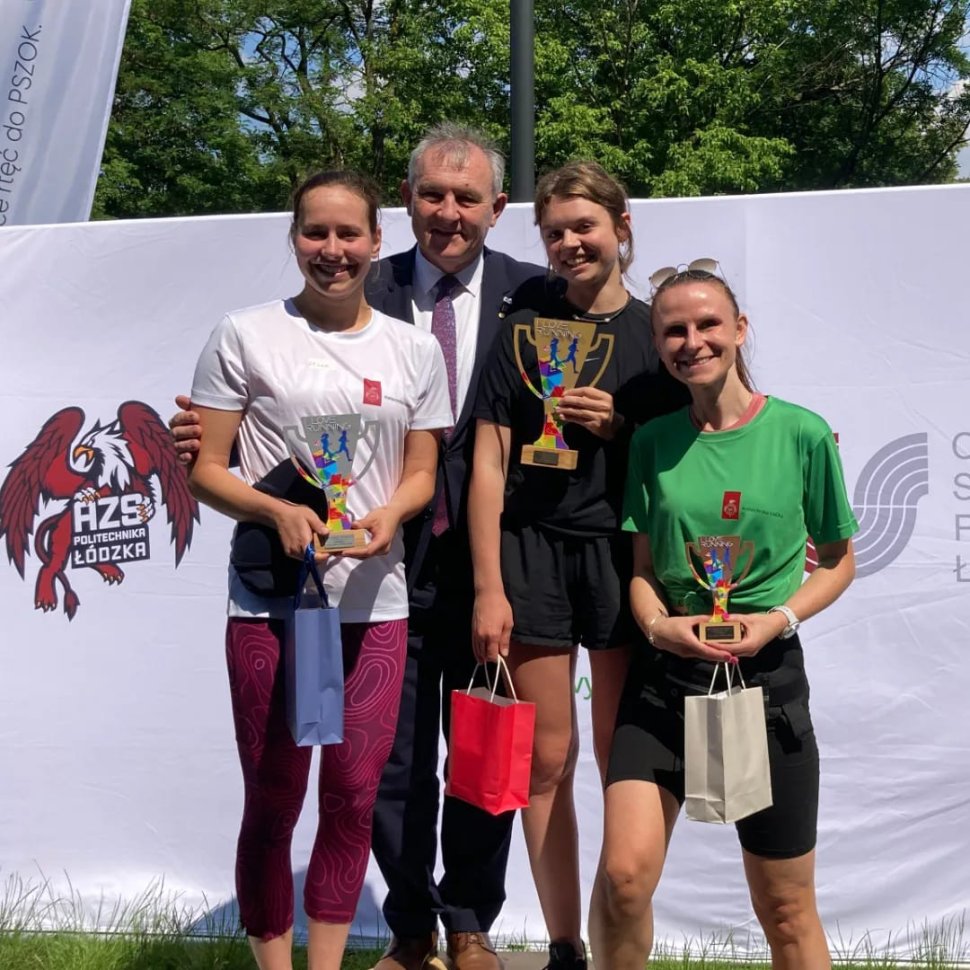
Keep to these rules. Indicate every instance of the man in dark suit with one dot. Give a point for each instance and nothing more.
(450, 284)
(453, 194)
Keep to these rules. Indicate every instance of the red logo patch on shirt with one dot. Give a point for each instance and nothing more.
(372, 392)
(731, 505)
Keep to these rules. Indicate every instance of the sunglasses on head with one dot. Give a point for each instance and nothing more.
(658, 278)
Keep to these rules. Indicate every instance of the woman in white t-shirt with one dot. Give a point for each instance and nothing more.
(323, 352)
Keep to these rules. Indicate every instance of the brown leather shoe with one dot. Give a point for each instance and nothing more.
(412, 953)
(472, 951)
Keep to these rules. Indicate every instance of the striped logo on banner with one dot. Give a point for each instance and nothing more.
(886, 495)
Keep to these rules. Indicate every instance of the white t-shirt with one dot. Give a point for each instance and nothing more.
(274, 365)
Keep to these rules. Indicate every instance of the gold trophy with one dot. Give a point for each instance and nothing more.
(562, 347)
(332, 442)
(719, 556)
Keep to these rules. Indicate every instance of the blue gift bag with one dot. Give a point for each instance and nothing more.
(314, 664)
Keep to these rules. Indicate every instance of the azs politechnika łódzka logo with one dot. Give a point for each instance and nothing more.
(99, 492)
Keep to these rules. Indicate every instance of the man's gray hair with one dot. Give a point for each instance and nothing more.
(453, 141)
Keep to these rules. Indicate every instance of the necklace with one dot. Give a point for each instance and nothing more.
(600, 317)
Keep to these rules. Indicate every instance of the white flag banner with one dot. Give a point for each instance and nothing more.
(58, 65)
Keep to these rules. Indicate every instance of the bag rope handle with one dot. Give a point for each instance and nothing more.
(502, 668)
(307, 570)
(729, 667)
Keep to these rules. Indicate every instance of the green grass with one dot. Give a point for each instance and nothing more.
(41, 929)
(44, 930)
(141, 951)
(72, 951)
(68, 951)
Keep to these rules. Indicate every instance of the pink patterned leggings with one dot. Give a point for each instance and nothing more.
(276, 771)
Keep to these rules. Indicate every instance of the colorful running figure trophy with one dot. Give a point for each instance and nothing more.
(562, 347)
(719, 555)
(332, 441)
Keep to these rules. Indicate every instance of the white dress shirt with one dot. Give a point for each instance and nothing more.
(467, 299)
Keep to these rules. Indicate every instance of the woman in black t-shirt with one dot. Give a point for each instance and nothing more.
(551, 568)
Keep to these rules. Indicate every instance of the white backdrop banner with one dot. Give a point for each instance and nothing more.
(58, 65)
(117, 753)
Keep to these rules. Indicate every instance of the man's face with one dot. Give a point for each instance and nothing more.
(452, 208)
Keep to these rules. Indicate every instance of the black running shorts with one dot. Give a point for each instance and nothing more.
(566, 590)
(649, 741)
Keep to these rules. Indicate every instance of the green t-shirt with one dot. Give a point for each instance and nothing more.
(771, 482)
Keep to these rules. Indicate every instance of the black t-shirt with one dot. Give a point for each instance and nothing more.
(588, 500)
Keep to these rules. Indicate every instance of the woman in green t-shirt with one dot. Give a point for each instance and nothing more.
(734, 481)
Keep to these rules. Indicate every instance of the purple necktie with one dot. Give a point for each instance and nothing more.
(443, 327)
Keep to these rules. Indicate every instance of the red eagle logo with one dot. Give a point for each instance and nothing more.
(106, 477)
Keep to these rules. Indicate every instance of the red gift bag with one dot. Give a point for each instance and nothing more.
(490, 746)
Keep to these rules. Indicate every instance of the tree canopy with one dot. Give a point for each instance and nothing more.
(223, 105)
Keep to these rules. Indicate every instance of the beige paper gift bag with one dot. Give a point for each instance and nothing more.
(727, 775)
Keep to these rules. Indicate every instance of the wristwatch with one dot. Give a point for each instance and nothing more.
(793, 622)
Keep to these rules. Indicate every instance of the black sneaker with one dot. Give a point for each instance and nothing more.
(563, 956)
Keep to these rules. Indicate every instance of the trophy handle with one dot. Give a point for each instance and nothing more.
(602, 338)
(691, 552)
(746, 547)
(524, 328)
(367, 425)
(292, 432)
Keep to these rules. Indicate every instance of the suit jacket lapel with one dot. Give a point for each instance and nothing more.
(392, 285)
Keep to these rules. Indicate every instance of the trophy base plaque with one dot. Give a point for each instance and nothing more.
(338, 541)
(563, 458)
(727, 631)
